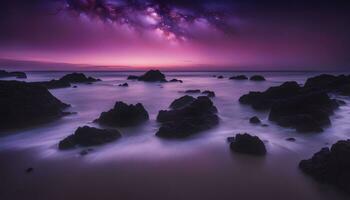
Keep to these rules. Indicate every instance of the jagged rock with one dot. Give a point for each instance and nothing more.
(330, 166)
(239, 77)
(209, 93)
(123, 115)
(89, 136)
(257, 78)
(254, 120)
(124, 85)
(247, 144)
(198, 116)
(182, 102)
(192, 91)
(4, 74)
(22, 104)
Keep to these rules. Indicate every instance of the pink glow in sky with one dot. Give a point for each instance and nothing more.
(261, 39)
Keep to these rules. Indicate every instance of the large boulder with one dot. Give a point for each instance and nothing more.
(247, 144)
(182, 102)
(330, 166)
(4, 74)
(88, 136)
(23, 104)
(123, 115)
(197, 116)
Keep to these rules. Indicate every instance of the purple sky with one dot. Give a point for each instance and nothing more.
(181, 35)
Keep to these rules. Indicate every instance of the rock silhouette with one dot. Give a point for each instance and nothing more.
(4, 74)
(247, 144)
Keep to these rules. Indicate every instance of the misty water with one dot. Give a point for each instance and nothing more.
(142, 166)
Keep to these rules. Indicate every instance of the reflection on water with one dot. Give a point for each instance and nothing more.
(198, 167)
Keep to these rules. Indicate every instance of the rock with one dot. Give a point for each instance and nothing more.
(247, 144)
(291, 139)
(254, 120)
(239, 77)
(198, 116)
(84, 152)
(230, 139)
(4, 74)
(330, 166)
(53, 84)
(175, 80)
(153, 76)
(89, 136)
(22, 105)
(220, 77)
(29, 170)
(131, 77)
(344, 90)
(192, 91)
(305, 113)
(124, 85)
(78, 78)
(123, 115)
(75, 86)
(329, 83)
(257, 78)
(209, 93)
(182, 102)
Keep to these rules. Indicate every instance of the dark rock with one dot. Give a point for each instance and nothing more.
(329, 83)
(153, 76)
(247, 144)
(220, 77)
(124, 85)
(257, 78)
(291, 139)
(330, 166)
(123, 115)
(4, 74)
(89, 136)
(29, 170)
(53, 84)
(84, 152)
(22, 104)
(175, 80)
(131, 77)
(75, 86)
(200, 115)
(182, 102)
(264, 125)
(209, 93)
(254, 120)
(78, 78)
(192, 91)
(230, 139)
(344, 90)
(239, 77)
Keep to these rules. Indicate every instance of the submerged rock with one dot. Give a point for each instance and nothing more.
(239, 77)
(182, 102)
(132, 77)
(197, 116)
(88, 136)
(247, 144)
(209, 93)
(291, 139)
(193, 91)
(4, 74)
(254, 120)
(257, 78)
(175, 80)
(330, 166)
(23, 104)
(220, 77)
(124, 85)
(123, 115)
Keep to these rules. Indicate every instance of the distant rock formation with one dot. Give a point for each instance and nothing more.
(123, 115)
(23, 104)
(152, 76)
(247, 144)
(192, 91)
(257, 78)
(4, 74)
(88, 136)
(66, 81)
(192, 118)
(330, 166)
(239, 77)
(124, 85)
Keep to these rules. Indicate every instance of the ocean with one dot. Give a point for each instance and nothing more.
(143, 166)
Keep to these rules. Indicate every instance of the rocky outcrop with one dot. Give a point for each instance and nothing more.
(197, 116)
(88, 136)
(254, 120)
(5, 74)
(182, 102)
(23, 104)
(209, 93)
(239, 77)
(123, 115)
(53, 84)
(150, 76)
(247, 144)
(257, 78)
(329, 83)
(330, 166)
(66, 81)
